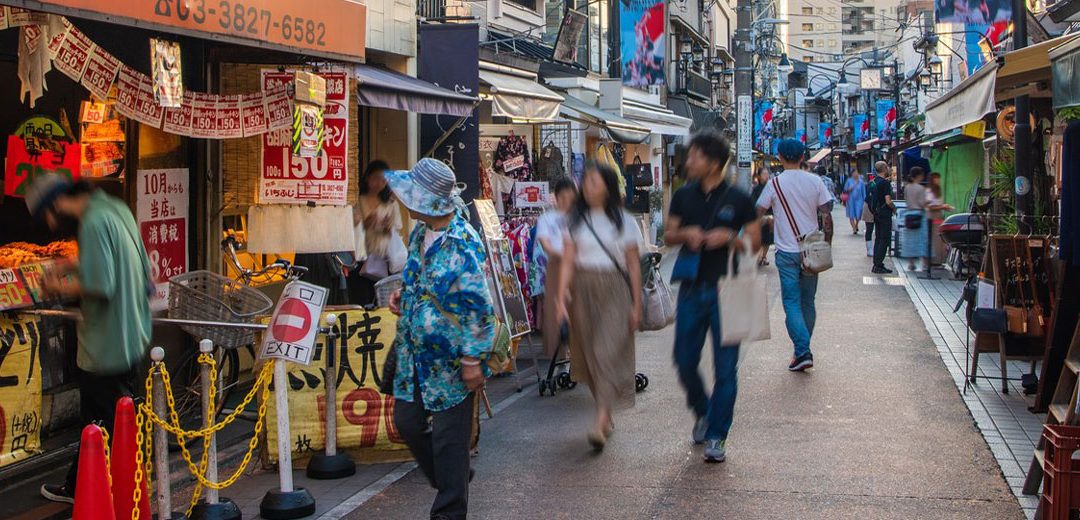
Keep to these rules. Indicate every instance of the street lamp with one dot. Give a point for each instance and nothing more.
(785, 66)
(925, 78)
(686, 48)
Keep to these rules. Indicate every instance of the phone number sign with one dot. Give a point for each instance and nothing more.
(290, 179)
(331, 28)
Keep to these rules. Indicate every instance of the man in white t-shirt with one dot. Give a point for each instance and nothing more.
(796, 198)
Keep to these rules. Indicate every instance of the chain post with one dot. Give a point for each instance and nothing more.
(331, 464)
(161, 439)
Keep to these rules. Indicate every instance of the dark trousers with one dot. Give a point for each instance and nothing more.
(869, 231)
(883, 223)
(441, 449)
(97, 403)
(698, 314)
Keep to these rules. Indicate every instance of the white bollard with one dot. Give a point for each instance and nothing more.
(208, 408)
(281, 399)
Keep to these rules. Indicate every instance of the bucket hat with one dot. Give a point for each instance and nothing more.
(429, 188)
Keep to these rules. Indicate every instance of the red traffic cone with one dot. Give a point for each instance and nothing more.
(123, 464)
(93, 498)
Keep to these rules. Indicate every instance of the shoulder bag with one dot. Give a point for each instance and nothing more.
(816, 252)
(688, 263)
(657, 303)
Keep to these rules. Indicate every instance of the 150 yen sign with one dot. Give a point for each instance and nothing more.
(291, 331)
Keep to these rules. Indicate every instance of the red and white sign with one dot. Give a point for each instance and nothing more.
(127, 91)
(292, 330)
(288, 179)
(100, 73)
(228, 118)
(149, 111)
(531, 195)
(178, 120)
(253, 114)
(162, 212)
(73, 54)
(204, 116)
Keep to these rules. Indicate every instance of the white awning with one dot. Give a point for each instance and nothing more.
(519, 98)
(657, 118)
(972, 99)
(820, 155)
(620, 129)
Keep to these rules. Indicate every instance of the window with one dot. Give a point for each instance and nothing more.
(527, 4)
(820, 43)
(809, 44)
(832, 43)
(809, 59)
(808, 11)
(820, 10)
(832, 10)
(808, 27)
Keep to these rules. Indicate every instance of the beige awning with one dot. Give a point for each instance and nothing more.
(1028, 65)
(866, 145)
(820, 155)
(969, 101)
(520, 98)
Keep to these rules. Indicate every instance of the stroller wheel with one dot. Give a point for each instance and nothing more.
(572, 385)
(641, 382)
(564, 380)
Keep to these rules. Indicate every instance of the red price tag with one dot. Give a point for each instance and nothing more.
(253, 111)
(13, 293)
(227, 119)
(204, 116)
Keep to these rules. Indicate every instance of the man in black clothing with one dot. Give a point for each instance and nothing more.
(880, 199)
(706, 217)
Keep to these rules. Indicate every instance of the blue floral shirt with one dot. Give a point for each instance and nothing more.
(446, 314)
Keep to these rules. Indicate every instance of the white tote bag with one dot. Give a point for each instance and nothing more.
(744, 305)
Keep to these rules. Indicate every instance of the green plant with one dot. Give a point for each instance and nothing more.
(1069, 113)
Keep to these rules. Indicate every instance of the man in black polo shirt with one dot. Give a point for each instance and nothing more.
(707, 215)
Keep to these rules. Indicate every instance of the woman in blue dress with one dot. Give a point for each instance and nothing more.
(855, 191)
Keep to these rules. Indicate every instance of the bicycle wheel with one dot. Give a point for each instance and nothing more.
(187, 385)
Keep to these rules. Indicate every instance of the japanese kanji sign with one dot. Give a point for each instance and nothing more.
(292, 330)
(20, 388)
(162, 212)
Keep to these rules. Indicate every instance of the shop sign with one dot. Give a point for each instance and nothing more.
(228, 121)
(253, 114)
(292, 329)
(91, 112)
(73, 54)
(531, 194)
(20, 388)
(289, 179)
(28, 158)
(365, 425)
(165, 68)
(101, 70)
(326, 27)
(162, 211)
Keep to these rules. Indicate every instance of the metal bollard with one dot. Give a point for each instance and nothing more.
(161, 444)
(285, 503)
(331, 465)
(213, 506)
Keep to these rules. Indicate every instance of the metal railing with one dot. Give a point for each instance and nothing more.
(431, 9)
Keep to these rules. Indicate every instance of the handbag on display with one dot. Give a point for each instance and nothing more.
(816, 251)
(1024, 320)
(744, 306)
(989, 320)
(640, 173)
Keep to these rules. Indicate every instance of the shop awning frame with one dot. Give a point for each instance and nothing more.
(1028, 65)
(969, 101)
(867, 145)
(660, 120)
(1065, 68)
(619, 128)
(821, 155)
(520, 98)
(384, 88)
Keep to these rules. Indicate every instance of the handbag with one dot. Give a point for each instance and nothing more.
(816, 252)
(657, 303)
(396, 254)
(989, 320)
(913, 220)
(844, 197)
(867, 215)
(375, 268)
(744, 306)
(640, 173)
(1023, 320)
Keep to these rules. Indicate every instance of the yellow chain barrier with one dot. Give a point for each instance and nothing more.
(146, 418)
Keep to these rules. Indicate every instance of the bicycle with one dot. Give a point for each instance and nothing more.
(186, 382)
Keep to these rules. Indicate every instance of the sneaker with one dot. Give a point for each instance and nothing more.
(881, 270)
(801, 363)
(57, 493)
(715, 450)
(701, 425)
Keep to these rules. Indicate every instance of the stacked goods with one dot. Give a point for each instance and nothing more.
(16, 254)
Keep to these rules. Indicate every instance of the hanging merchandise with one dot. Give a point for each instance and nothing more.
(165, 70)
(531, 195)
(605, 157)
(512, 157)
(33, 63)
(640, 173)
(307, 130)
(551, 164)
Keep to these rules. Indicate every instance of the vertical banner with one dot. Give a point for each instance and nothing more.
(886, 119)
(289, 179)
(452, 61)
(800, 134)
(20, 388)
(365, 426)
(979, 42)
(825, 133)
(162, 212)
(763, 123)
(642, 45)
(982, 12)
(860, 123)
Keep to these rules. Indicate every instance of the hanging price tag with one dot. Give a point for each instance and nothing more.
(13, 293)
(228, 120)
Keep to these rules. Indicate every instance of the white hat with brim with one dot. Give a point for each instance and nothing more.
(430, 188)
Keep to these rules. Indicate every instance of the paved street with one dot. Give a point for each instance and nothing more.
(876, 430)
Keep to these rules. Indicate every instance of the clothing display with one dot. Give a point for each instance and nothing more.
(512, 158)
(552, 164)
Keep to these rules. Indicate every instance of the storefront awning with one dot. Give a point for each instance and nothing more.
(969, 101)
(619, 128)
(1028, 65)
(942, 138)
(1065, 68)
(701, 117)
(520, 98)
(820, 155)
(382, 88)
(867, 145)
(657, 118)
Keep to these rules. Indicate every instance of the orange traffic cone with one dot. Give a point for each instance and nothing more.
(123, 464)
(93, 498)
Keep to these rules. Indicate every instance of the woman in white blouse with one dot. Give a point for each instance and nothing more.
(601, 280)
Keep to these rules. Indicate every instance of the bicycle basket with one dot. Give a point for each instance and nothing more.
(385, 287)
(207, 296)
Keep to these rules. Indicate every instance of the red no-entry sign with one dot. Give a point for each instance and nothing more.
(292, 330)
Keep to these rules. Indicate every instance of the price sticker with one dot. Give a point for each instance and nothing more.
(13, 293)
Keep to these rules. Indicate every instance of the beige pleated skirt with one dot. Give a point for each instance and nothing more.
(550, 322)
(602, 354)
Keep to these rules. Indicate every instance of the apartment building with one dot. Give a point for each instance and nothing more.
(831, 30)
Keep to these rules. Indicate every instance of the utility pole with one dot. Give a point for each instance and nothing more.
(1022, 131)
(744, 102)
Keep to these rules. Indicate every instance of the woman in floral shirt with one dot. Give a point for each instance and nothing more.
(446, 331)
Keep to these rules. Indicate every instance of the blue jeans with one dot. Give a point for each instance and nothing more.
(699, 311)
(798, 290)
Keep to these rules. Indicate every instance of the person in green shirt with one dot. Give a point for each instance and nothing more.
(112, 283)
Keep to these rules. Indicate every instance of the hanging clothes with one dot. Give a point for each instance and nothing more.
(512, 158)
(551, 164)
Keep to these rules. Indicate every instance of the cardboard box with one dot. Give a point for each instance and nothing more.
(310, 88)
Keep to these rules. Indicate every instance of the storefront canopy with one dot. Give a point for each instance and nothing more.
(867, 145)
(382, 88)
(969, 101)
(1027, 65)
(657, 118)
(820, 155)
(1065, 68)
(520, 98)
(701, 117)
(619, 128)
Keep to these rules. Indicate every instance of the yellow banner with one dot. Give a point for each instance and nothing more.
(20, 388)
(365, 426)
